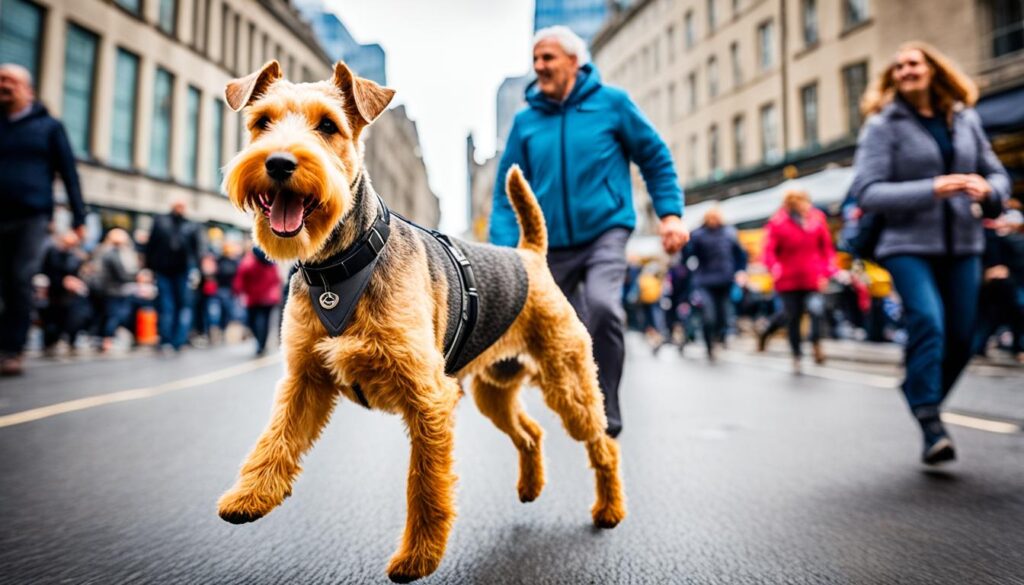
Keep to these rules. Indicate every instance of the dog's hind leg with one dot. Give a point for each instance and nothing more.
(496, 392)
(568, 379)
(431, 484)
(301, 409)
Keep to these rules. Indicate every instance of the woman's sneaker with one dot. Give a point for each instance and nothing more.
(938, 447)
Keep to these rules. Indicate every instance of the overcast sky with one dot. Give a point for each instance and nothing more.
(446, 59)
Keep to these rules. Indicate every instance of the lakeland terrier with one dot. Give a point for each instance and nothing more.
(382, 312)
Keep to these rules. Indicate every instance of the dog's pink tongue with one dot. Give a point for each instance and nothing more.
(286, 214)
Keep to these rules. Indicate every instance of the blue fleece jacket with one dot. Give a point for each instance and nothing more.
(33, 150)
(576, 157)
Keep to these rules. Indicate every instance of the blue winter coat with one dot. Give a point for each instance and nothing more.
(33, 150)
(576, 157)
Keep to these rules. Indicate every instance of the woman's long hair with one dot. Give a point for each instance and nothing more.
(949, 84)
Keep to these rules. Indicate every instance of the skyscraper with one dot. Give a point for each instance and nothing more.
(367, 61)
(584, 17)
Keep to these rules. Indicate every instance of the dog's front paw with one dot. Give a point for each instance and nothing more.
(608, 515)
(239, 506)
(405, 568)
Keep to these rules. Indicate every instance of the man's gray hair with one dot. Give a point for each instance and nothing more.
(19, 71)
(571, 43)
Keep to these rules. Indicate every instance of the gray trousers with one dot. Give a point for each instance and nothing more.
(592, 277)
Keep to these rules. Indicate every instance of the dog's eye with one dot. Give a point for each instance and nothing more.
(262, 123)
(327, 126)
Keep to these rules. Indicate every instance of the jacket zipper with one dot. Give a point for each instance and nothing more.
(565, 187)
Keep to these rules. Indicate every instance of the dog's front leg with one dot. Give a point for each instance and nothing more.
(301, 409)
(431, 487)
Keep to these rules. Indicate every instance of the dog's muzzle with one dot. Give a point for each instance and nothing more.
(286, 210)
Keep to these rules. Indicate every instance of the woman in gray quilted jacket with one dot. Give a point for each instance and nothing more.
(924, 163)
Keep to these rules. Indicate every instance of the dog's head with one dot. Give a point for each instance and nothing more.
(304, 154)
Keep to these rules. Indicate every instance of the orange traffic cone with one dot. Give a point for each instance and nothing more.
(145, 326)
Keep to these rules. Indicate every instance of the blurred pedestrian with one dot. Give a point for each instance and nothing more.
(258, 284)
(172, 253)
(67, 310)
(574, 143)
(651, 288)
(119, 267)
(1001, 300)
(720, 262)
(924, 163)
(799, 254)
(228, 309)
(33, 149)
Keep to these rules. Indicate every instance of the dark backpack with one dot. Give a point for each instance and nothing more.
(861, 231)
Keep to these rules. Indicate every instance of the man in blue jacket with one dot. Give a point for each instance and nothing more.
(33, 148)
(574, 143)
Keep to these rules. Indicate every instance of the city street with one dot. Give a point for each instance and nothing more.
(736, 472)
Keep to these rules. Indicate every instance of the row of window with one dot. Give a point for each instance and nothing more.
(235, 56)
(21, 29)
(854, 81)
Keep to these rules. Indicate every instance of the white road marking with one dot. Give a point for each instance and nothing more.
(981, 424)
(134, 394)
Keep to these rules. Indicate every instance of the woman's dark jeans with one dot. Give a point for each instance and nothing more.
(259, 323)
(714, 312)
(794, 303)
(118, 313)
(940, 301)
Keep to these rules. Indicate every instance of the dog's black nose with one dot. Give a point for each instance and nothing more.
(281, 165)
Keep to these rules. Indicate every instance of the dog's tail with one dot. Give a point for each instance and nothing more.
(533, 233)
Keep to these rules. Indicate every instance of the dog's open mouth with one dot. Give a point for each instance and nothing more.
(286, 210)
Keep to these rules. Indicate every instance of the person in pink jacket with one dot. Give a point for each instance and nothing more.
(258, 283)
(799, 253)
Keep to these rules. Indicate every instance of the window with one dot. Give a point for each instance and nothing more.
(692, 158)
(1007, 27)
(712, 77)
(765, 45)
(713, 166)
(79, 74)
(769, 134)
(810, 22)
(21, 28)
(122, 130)
(168, 17)
(712, 16)
(217, 152)
(809, 110)
(737, 70)
(855, 81)
(854, 12)
(225, 35)
(688, 30)
(673, 112)
(670, 40)
(133, 6)
(691, 92)
(192, 102)
(656, 53)
(738, 141)
(736, 6)
(160, 135)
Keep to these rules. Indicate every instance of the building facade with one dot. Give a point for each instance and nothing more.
(139, 86)
(395, 164)
(748, 92)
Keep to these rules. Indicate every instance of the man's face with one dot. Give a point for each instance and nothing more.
(555, 69)
(15, 91)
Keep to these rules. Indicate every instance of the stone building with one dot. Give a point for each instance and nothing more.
(746, 92)
(139, 85)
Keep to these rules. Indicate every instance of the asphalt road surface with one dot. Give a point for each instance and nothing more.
(736, 472)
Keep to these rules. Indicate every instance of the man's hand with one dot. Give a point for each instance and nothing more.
(674, 234)
(80, 231)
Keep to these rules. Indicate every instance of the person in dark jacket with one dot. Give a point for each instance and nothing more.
(33, 150)
(172, 253)
(574, 144)
(258, 283)
(924, 163)
(719, 260)
(119, 266)
(67, 309)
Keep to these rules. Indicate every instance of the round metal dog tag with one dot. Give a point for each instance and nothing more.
(329, 300)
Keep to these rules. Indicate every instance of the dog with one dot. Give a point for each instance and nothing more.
(302, 177)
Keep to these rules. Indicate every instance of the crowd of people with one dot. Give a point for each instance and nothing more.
(165, 288)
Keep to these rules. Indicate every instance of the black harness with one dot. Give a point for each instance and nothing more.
(336, 284)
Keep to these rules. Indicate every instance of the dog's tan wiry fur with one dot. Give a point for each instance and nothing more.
(394, 342)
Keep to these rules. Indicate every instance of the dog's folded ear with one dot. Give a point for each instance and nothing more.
(364, 99)
(240, 92)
